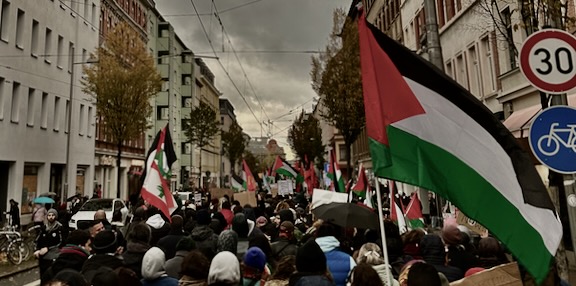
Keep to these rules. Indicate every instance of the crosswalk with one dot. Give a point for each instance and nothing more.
(34, 283)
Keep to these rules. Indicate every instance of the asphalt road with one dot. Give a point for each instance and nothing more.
(27, 278)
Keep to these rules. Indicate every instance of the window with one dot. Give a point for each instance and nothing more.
(34, 41)
(20, 20)
(48, 45)
(186, 101)
(5, 21)
(461, 73)
(94, 14)
(341, 152)
(162, 113)
(15, 110)
(73, 7)
(70, 56)
(185, 148)
(221, 120)
(2, 99)
(474, 71)
(89, 121)
(44, 111)
(31, 106)
(487, 66)
(440, 12)
(81, 127)
(84, 55)
(449, 70)
(60, 51)
(507, 23)
(56, 113)
(67, 119)
(86, 9)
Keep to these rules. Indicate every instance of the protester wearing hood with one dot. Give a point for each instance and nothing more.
(138, 244)
(195, 269)
(153, 273)
(458, 255)
(168, 243)
(371, 254)
(311, 267)
(104, 246)
(204, 237)
(72, 255)
(52, 235)
(228, 241)
(253, 267)
(218, 223)
(286, 243)
(434, 253)
(183, 247)
(224, 270)
(160, 228)
(246, 229)
(339, 263)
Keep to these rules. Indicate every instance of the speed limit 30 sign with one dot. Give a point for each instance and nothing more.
(548, 60)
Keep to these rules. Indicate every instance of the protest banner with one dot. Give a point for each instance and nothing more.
(471, 224)
(246, 198)
(284, 187)
(217, 193)
(321, 197)
(502, 275)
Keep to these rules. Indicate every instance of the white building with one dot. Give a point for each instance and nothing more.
(46, 121)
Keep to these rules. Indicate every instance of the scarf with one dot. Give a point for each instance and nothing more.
(50, 227)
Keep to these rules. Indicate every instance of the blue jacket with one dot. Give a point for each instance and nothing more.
(339, 263)
(160, 281)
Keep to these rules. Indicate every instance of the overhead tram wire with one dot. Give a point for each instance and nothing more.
(222, 66)
(238, 59)
(210, 14)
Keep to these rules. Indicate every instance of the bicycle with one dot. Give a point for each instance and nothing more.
(29, 237)
(553, 140)
(11, 243)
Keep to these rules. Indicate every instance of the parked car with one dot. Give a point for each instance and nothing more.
(89, 208)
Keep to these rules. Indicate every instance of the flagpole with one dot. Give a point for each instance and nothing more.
(382, 231)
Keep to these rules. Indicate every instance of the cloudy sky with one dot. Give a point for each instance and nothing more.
(275, 79)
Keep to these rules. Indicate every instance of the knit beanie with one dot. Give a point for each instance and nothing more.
(228, 241)
(224, 268)
(286, 215)
(255, 258)
(105, 242)
(186, 243)
(451, 235)
(310, 258)
(54, 212)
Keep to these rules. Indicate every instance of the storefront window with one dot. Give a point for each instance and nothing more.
(29, 188)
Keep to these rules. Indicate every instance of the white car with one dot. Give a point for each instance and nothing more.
(87, 211)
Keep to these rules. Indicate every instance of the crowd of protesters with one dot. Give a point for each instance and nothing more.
(277, 242)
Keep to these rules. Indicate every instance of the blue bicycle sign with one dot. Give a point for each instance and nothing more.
(553, 138)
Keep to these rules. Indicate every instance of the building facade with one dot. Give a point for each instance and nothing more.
(133, 12)
(227, 119)
(46, 121)
(209, 157)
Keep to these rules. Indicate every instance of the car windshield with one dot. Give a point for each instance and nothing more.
(94, 205)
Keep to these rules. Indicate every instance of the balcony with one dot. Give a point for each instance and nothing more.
(162, 44)
(187, 68)
(186, 90)
(163, 70)
(162, 98)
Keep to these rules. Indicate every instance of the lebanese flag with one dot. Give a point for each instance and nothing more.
(335, 175)
(156, 187)
(362, 184)
(249, 181)
(414, 213)
(426, 130)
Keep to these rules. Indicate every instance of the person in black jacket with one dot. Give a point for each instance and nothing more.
(168, 243)
(105, 246)
(15, 214)
(434, 253)
(286, 243)
(138, 244)
(51, 237)
(72, 255)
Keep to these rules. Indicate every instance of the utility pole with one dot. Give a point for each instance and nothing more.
(433, 46)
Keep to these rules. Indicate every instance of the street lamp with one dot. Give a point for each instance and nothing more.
(69, 120)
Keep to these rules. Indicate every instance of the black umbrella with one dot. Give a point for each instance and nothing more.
(347, 215)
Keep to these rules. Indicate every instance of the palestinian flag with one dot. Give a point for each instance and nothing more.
(249, 181)
(426, 130)
(361, 184)
(282, 167)
(237, 183)
(156, 187)
(414, 213)
(335, 175)
(396, 208)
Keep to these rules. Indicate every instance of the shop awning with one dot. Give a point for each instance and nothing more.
(519, 122)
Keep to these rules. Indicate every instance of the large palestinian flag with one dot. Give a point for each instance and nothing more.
(156, 187)
(282, 167)
(426, 130)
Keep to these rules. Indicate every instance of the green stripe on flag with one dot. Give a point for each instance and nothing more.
(418, 162)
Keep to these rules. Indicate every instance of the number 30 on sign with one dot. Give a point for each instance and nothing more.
(548, 60)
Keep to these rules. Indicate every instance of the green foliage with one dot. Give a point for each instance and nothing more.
(337, 79)
(253, 163)
(202, 126)
(233, 144)
(123, 82)
(305, 137)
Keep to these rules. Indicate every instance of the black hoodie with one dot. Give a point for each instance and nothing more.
(434, 253)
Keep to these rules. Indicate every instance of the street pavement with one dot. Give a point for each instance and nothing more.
(17, 275)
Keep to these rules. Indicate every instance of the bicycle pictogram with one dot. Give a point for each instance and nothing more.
(549, 144)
